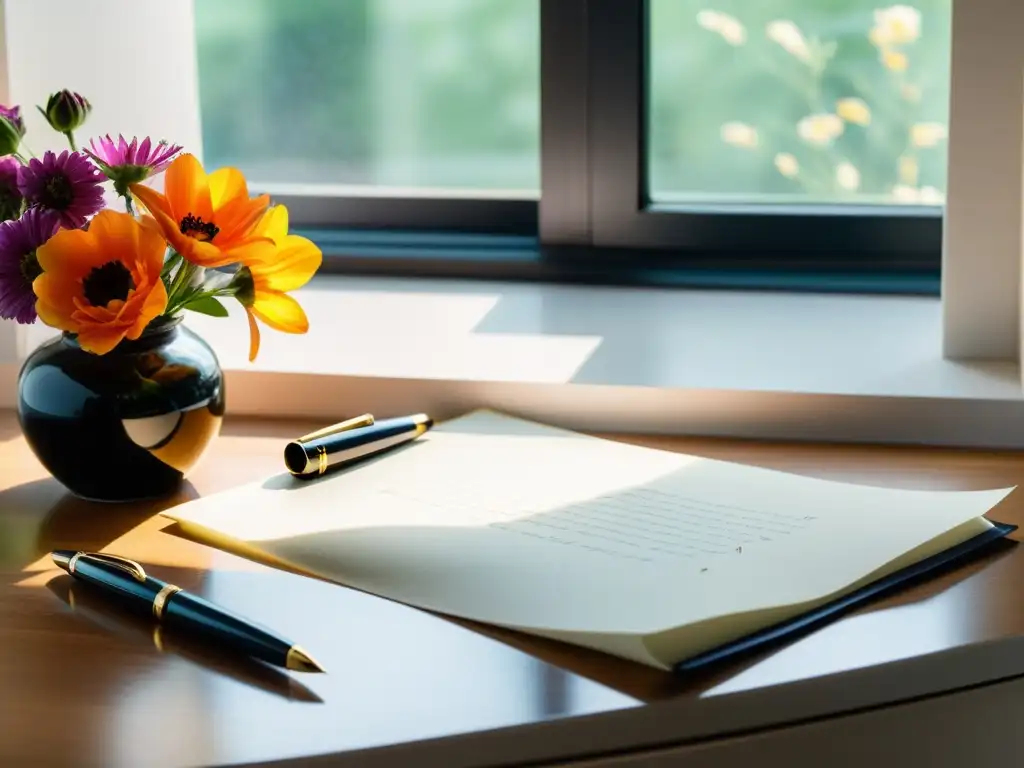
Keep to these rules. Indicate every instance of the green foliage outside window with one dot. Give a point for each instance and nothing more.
(799, 100)
(776, 100)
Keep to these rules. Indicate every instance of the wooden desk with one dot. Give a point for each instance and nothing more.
(81, 685)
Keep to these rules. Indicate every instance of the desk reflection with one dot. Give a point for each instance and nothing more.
(99, 611)
(395, 675)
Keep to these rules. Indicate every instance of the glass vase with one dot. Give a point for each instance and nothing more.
(126, 425)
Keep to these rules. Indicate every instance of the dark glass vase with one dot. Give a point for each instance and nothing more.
(126, 425)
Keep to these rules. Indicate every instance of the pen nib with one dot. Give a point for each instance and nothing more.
(300, 661)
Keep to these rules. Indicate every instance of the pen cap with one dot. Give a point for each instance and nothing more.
(301, 456)
(329, 451)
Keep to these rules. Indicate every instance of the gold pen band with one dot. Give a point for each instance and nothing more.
(161, 599)
(74, 561)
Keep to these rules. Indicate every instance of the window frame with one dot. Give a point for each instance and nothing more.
(594, 222)
(380, 212)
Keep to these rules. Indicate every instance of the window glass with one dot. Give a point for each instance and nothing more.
(798, 101)
(422, 95)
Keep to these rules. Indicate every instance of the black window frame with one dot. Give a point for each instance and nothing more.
(595, 222)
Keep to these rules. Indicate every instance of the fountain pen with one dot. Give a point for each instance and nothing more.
(126, 581)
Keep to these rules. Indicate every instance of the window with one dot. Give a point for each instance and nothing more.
(798, 101)
(614, 139)
(377, 113)
(439, 96)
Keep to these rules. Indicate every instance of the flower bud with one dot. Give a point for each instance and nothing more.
(12, 129)
(66, 111)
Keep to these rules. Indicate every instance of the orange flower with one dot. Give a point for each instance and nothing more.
(263, 281)
(207, 219)
(102, 284)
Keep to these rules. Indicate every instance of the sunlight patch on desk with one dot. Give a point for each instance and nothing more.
(147, 546)
(40, 579)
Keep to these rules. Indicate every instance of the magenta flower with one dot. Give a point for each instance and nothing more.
(153, 157)
(19, 267)
(67, 184)
(10, 195)
(125, 163)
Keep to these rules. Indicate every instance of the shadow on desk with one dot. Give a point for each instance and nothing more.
(650, 685)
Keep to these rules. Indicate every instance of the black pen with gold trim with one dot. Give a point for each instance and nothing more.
(342, 444)
(127, 581)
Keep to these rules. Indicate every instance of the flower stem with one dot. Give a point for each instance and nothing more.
(173, 260)
(181, 280)
(71, 140)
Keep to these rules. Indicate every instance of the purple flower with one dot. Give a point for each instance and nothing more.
(126, 164)
(153, 157)
(67, 184)
(18, 264)
(10, 195)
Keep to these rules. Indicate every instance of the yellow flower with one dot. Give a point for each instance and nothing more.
(908, 170)
(787, 165)
(740, 135)
(854, 111)
(820, 129)
(731, 30)
(895, 61)
(263, 282)
(848, 177)
(788, 35)
(896, 25)
(927, 134)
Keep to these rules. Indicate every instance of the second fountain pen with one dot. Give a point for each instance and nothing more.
(126, 581)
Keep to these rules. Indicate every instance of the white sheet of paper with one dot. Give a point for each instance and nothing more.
(522, 525)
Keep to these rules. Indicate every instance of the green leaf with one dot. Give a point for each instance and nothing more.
(207, 305)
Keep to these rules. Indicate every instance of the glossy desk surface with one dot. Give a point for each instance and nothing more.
(81, 684)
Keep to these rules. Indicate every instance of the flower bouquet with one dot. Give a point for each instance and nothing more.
(126, 400)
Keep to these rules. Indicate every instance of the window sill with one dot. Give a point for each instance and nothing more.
(660, 361)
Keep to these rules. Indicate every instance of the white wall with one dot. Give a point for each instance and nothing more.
(981, 268)
(133, 59)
